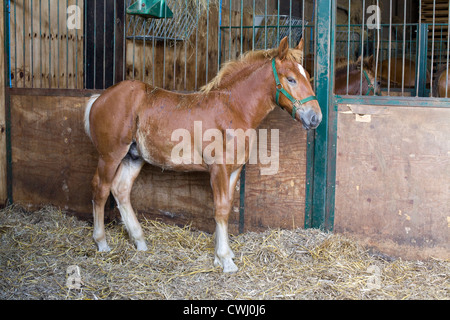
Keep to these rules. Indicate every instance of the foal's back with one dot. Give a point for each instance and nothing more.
(136, 113)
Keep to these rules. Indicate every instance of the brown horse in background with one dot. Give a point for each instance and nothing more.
(359, 82)
(355, 76)
(441, 83)
(396, 75)
(132, 123)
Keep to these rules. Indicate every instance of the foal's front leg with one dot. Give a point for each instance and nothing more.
(223, 184)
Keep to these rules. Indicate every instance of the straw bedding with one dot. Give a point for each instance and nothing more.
(37, 248)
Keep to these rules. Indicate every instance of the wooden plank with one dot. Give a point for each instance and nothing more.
(393, 179)
(278, 201)
(53, 159)
(437, 20)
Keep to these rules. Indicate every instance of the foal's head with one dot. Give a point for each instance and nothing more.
(360, 82)
(369, 76)
(293, 79)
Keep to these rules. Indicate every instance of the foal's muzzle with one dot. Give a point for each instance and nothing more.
(310, 119)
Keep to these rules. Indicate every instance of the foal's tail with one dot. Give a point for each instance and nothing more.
(87, 112)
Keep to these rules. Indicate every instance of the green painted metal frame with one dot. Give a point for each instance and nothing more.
(392, 101)
(422, 56)
(321, 149)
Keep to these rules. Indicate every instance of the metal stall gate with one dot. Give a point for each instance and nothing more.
(404, 46)
(390, 151)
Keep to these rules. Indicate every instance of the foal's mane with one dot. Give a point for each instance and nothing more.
(233, 67)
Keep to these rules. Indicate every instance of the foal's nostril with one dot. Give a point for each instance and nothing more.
(310, 119)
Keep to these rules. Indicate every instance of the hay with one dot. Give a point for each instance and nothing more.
(37, 248)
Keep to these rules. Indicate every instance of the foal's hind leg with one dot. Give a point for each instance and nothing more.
(121, 188)
(101, 184)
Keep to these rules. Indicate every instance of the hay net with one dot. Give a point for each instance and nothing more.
(179, 28)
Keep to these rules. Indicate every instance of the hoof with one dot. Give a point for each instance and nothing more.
(141, 246)
(227, 264)
(103, 247)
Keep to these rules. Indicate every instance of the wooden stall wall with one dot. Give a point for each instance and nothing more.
(53, 160)
(44, 52)
(278, 201)
(393, 178)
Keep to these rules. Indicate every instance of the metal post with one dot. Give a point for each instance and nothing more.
(322, 163)
(219, 36)
(422, 59)
(7, 75)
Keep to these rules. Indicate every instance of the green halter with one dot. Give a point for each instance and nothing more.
(287, 95)
(369, 84)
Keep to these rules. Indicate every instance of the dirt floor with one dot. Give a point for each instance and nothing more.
(50, 255)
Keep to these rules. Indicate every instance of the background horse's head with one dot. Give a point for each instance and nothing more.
(293, 79)
(359, 81)
(369, 69)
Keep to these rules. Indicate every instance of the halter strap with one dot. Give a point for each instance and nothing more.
(280, 89)
(369, 83)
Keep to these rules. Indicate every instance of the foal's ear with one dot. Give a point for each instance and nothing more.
(283, 48)
(300, 45)
(371, 62)
(367, 62)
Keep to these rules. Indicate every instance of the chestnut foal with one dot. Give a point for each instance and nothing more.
(132, 123)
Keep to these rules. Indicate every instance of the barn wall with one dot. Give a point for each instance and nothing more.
(54, 162)
(392, 184)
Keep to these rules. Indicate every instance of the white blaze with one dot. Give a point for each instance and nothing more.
(302, 71)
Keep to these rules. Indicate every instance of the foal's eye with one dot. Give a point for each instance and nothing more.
(291, 80)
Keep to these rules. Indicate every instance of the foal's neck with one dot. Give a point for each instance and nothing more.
(254, 94)
(354, 81)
